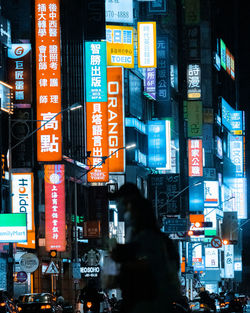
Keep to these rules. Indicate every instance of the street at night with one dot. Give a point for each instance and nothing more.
(124, 156)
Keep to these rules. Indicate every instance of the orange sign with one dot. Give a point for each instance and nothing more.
(48, 79)
(116, 119)
(195, 159)
(97, 140)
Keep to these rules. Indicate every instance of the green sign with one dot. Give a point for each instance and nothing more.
(13, 227)
(79, 219)
(194, 114)
(223, 56)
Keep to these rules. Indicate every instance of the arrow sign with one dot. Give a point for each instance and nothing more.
(216, 242)
(52, 269)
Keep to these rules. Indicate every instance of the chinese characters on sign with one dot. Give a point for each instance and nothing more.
(146, 44)
(96, 73)
(150, 82)
(193, 42)
(119, 11)
(54, 178)
(116, 131)
(120, 46)
(194, 109)
(195, 158)
(236, 154)
(48, 79)
(19, 74)
(211, 193)
(227, 59)
(97, 140)
(194, 81)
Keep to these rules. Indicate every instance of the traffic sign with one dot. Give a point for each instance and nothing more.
(52, 269)
(216, 242)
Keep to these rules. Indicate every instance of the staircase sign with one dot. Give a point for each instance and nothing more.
(216, 242)
(52, 269)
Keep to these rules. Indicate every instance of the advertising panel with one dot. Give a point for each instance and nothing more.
(193, 81)
(116, 130)
(211, 257)
(97, 140)
(120, 45)
(228, 61)
(54, 179)
(219, 148)
(13, 227)
(196, 195)
(48, 79)
(194, 109)
(236, 154)
(159, 144)
(210, 216)
(237, 122)
(232, 67)
(6, 97)
(195, 157)
(136, 99)
(228, 199)
(211, 193)
(240, 187)
(119, 11)
(96, 71)
(150, 83)
(146, 44)
(19, 74)
(231, 119)
(223, 58)
(229, 261)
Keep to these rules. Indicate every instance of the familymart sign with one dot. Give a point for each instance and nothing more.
(13, 227)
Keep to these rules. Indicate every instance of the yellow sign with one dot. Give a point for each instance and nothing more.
(120, 45)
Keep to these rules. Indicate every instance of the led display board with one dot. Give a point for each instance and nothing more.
(211, 193)
(116, 131)
(194, 110)
(223, 58)
(119, 11)
(146, 44)
(19, 74)
(97, 140)
(120, 45)
(159, 144)
(194, 81)
(96, 71)
(195, 157)
(54, 179)
(13, 227)
(48, 79)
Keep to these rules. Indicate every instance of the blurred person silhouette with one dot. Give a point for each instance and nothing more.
(149, 261)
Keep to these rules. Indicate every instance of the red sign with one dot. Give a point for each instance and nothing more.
(116, 119)
(97, 140)
(19, 74)
(48, 79)
(195, 158)
(216, 242)
(54, 179)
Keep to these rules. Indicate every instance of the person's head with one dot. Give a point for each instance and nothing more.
(113, 295)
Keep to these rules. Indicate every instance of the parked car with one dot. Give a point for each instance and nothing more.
(197, 306)
(38, 303)
(7, 305)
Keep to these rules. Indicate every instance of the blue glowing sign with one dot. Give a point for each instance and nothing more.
(196, 194)
(231, 119)
(236, 154)
(96, 71)
(159, 150)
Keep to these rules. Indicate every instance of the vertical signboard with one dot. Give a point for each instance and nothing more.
(116, 131)
(195, 157)
(194, 81)
(211, 257)
(120, 45)
(94, 14)
(48, 79)
(192, 12)
(119, 11)
(232, 67)
(97, 140)
(229, 261)
(211, 193)
(146, 44)
(159, 144)
(236, 153)
(223, 58)
(96, 71)
(194, 109)
(19, 74)
(240, 192)
(150, 83)
(228, 61)
(54, 179)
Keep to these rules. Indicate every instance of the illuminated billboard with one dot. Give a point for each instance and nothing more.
(195, 157)
(211, 257)
(116, 131)
(119, 11)
(19, 74)
(194, 81)
(13, 227)
(240, 193)
(96, 71)
(228, 61)
(6, 97)
(146, 44)
(97, 140)
(159, 144)
(229, 261)
(120, 45)
(236, 153)
(211, 193)
(150, 83)
(223, 58)
(48, 79)
(231, 119)
(54, 179)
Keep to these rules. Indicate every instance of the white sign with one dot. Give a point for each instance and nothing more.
(119, 11)
(211, 193)
(238, 266)
(211, 257)
(52, 269)
(29, 262)
(229, 261)
(147, 44)
(22, 199)
(240, 188)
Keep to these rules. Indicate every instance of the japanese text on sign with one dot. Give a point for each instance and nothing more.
(47, 19)
(195, 157)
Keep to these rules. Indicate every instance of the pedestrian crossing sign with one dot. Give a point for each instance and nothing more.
(52, 269)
